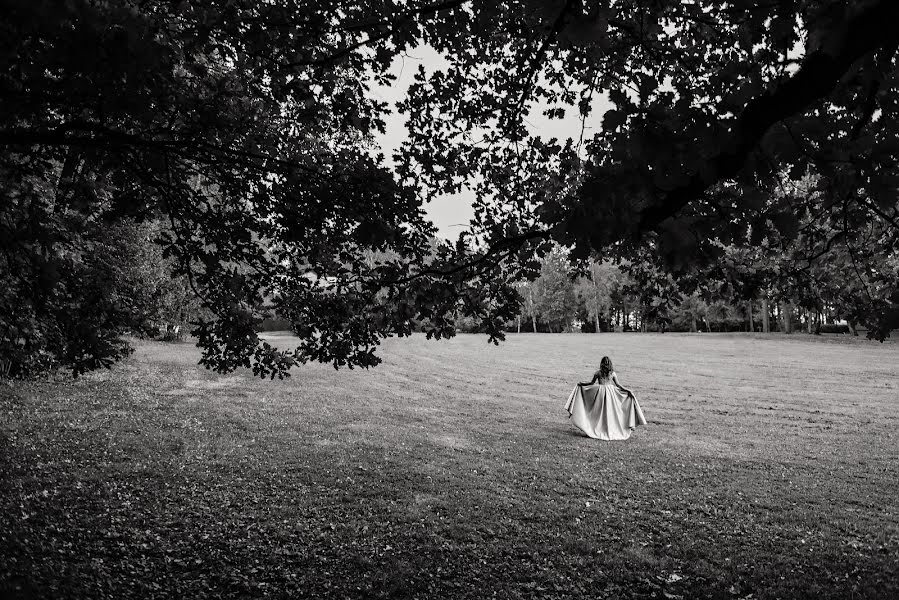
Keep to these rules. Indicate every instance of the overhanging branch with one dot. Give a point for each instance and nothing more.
(868, 30)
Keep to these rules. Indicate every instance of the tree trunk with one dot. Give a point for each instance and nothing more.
(692, 323)
(749, 312)
(766, 325)
(64, 183)
(852, 328)
(519, 323)
(786, 309)
(533, 309)
(595, 298)
(808, 321)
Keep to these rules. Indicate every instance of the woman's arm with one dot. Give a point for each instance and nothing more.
(592, 381)
(621, 387)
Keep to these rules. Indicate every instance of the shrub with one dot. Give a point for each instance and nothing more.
(274, 324)
(833, 328)
(468, 324)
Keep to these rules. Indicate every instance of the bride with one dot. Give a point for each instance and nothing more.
(606, 410)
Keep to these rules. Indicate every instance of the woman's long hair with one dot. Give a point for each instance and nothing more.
(605, 367)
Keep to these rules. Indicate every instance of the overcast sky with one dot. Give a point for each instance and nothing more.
(451, 213)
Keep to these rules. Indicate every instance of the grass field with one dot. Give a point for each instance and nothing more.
(768, 469)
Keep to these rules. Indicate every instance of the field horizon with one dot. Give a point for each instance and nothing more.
(767, 470)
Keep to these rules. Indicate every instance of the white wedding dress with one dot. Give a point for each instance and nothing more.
(603, 411)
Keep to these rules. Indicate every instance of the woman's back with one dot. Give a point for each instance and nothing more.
(600, 380)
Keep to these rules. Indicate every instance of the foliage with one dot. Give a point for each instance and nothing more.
(595, 291)
(715, 105)
(690, 313)
(833, 328)
(248, 129)
(556, 302)
(67, 304)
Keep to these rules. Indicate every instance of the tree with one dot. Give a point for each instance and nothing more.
(164, 300)
(247, 127)
(110, 273)
(595, 290)
(556, 302)
(653, 289)
(529, 292)
(690, 312)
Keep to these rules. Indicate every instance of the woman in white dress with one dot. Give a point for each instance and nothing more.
(603, 408)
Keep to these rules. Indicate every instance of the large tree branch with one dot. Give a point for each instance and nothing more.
(500, 250)
(871, 28)
(91, 135)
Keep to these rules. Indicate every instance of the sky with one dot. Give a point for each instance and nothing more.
(451, 213)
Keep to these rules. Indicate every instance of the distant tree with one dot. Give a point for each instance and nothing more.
(690, 313)
(530, 293)
(652, 287)
(722, 315)
(595, 290)
(814, 263)
(174, 304)
(556, 303)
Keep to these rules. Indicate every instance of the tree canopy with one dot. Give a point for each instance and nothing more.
(247, 127)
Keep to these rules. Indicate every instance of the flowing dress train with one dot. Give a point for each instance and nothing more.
(603, 411)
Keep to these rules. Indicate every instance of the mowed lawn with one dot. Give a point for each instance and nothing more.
(768, 469)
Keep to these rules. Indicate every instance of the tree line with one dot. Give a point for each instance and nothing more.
(635, 295)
